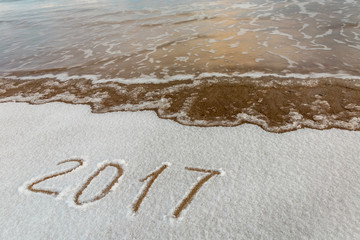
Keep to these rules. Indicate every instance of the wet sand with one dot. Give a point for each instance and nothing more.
(275, 105)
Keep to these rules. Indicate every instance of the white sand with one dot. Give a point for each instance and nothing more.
(298, 185)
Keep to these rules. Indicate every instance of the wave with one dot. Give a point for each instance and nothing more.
(277, 103)
(189, 77)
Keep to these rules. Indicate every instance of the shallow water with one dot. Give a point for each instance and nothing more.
(282, 65)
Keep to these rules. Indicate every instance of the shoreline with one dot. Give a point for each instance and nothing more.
(276, 105)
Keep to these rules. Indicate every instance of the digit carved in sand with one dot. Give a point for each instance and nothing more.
(152, 177)
(50, 192)
(187, 200)
(106, 190)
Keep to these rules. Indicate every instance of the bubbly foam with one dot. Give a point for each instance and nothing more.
(282, 65)
(277, 104)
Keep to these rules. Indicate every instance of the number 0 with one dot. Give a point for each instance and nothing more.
(106, 190)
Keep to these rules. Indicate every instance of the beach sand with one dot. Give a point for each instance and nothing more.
(180, 119)
(251, 184)
(277, 104)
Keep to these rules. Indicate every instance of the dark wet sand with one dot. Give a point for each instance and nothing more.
(275, 105)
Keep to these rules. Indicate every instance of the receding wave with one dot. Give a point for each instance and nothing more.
(282, 65)
(273, 103)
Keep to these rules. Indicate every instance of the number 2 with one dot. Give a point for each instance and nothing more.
(79, 162)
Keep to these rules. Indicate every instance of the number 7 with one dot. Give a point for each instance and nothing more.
(187, 200)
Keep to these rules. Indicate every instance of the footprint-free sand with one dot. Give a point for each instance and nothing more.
(241, 182)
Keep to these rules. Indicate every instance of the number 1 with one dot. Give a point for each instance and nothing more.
(152, 177)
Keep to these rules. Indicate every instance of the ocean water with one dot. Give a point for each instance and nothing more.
(282, 65)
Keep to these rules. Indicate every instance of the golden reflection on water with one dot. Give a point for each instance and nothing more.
(227, 36)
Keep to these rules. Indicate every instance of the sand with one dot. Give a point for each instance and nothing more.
(277, 104)
(219, 183)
